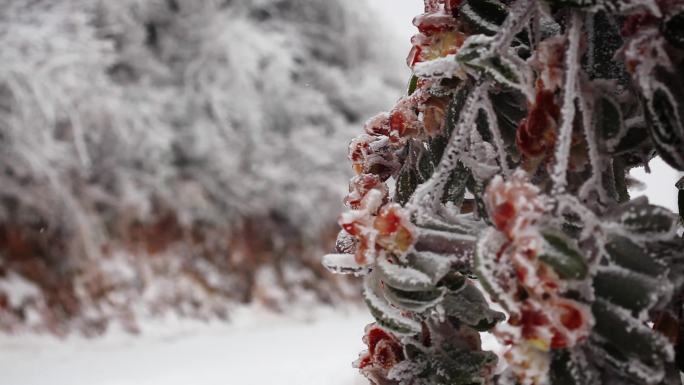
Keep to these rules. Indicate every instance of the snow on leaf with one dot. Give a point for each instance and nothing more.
(387, 316)
(402, 277)
(416, 301)
(563, 256)
(638, 219)
(344, 264)
(444, 67)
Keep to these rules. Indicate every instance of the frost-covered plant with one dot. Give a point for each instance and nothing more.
(505, 170)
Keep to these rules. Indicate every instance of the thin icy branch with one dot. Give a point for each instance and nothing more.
(496, 134)
(428, 194)
(572, 68)
(594, 183)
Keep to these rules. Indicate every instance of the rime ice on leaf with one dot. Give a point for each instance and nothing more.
(510, 158)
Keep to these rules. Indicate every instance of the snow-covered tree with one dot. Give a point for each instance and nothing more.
(494, 198)
(201, 132)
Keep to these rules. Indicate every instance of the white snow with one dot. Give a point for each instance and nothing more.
(18, 289)
(256, 348)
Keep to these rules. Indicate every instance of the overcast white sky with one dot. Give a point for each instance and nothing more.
(399, 14)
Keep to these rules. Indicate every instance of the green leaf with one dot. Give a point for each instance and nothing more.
(605, 41)
(644, 220)
(608, 117)
(403, 277)
(673, 29)
(454, 282)
(407, 182)
(416, 301)
(614, 180)
(572, 367)
(488, 244)
(477, 189)
(632, 347)
(502, 70)
(425, 166)
(666, 129)
(629, 255)
(560, 371)
(385, 315)
(476, 54)
(453, 112)
(455, 188)
(483, 16)
(471, 308)
(445, 243)
(438, 144)
(456, 365)
(510, 108)
(413, 84)
(563, 256)
(631, 290)
(619, 173)
(635, 136)
(433, 265)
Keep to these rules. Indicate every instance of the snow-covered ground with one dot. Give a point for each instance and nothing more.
(256, 348)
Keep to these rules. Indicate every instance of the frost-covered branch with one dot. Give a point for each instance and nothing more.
(494, 179)
(568, 109)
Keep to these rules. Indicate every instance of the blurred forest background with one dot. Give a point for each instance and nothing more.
(177, 156)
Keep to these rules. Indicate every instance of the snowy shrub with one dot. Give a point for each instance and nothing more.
(202, 133)
(494, 198)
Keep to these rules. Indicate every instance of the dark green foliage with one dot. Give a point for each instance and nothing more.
(673, 29)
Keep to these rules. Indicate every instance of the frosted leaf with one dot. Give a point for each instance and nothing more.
(386, 315)
(471, 307)
(638, 219)
(460, 223)
(667, 123)
(518, 17)
(402, 277)
(649, 41)
(477, 17)
(415, 301)
(442, 242)
(480, 158)
(408, 371)
(345, 243)
(488, 269)
(564, 256)
(569, 204)
(434, 265)
(429, 194)
(506, 70)
(625, 252)
(631, 290)
(643, 351)
(444, 67)
(493, 125)
(344, 264)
